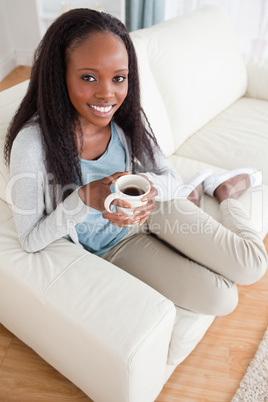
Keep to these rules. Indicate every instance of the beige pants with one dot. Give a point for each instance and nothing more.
(192, 259)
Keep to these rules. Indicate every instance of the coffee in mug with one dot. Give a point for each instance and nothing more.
(133, 191)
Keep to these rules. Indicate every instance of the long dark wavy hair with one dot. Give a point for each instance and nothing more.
(47, 101)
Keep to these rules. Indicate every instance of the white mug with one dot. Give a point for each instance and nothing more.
(130, 188)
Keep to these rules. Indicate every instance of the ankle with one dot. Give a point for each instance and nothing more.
(222, 192)
(232, 188)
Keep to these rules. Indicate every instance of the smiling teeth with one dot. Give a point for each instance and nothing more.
(102, 109)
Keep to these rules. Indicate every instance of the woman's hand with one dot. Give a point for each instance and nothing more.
(94, 194)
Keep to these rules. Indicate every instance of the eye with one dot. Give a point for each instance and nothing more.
(88, 78)
(120, 78)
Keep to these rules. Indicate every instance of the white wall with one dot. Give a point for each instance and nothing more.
(19, 34)
(23, 22)
(50, 9)
(7, 61)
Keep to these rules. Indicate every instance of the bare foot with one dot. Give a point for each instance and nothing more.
(196, 194)
(232, 188)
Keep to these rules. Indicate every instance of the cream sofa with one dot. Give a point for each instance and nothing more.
(112, 335)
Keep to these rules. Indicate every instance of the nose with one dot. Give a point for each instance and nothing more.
(105, 90)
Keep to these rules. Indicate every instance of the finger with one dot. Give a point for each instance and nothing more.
(113, 177)
(146, 208)
(152, 194)
(142, 221)
(116, 219)
(123, 220)
(120, 203)
(116, 176)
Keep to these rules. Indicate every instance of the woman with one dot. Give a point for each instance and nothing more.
(79, 128)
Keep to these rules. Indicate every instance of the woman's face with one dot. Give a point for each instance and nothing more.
(97, 78)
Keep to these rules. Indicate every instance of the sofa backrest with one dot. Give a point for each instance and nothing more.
(9, 102)
(191, 69)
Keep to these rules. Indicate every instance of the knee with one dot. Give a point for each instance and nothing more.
(217, 301)
(253, 268)
(225, 301)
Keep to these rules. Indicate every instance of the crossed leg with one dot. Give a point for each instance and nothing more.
(192, 259)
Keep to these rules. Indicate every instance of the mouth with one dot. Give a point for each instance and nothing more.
(102, 110)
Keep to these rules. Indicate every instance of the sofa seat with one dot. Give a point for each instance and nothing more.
(235, 138)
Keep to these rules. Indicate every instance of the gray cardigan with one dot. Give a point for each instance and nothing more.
(38, 224)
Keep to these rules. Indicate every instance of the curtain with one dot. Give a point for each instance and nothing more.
(144, 13)
(249, 19)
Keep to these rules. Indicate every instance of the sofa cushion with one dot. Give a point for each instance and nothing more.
(197, 74)
(9, 102)
(236, 138)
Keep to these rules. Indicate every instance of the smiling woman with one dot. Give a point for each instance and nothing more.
(79, 128)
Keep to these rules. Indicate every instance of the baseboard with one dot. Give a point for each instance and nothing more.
(7, 64)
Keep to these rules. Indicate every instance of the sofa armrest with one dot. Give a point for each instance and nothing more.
(257, 70)
(105, 330)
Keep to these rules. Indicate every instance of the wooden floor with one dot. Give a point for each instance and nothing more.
(19, 74)
(211, 373)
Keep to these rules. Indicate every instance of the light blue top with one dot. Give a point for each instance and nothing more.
(97, 234)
